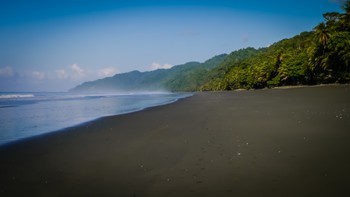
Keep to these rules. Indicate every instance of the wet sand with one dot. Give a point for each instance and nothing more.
(277, 142)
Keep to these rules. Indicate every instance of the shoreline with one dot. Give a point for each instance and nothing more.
(65, 126)
(273, 142)
(309, 86)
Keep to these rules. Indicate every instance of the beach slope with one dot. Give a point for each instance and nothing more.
(275, 142)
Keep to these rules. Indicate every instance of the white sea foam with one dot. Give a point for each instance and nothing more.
(10, 96)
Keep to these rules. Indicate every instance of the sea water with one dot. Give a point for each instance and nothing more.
(24, 115)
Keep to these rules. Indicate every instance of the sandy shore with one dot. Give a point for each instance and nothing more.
(290, 142)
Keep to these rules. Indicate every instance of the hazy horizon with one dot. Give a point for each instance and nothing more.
(56, 45)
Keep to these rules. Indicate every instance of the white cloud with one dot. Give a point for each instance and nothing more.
(156, 66)
(61, 74)
(107, 72)
(7, 72)
(77, 73)
(77, 70)
(72, 73)
(38, 75)
(64, 77)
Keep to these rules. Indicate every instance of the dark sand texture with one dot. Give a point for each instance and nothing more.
(290, 142)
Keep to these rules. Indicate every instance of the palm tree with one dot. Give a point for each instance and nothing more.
(322, 34)
(346, 6)
(345, 18)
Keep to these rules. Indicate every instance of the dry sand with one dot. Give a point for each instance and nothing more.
(291, 142)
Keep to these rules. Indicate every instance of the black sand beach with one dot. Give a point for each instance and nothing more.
(276, 142)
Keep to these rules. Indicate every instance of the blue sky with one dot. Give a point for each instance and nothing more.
(56, 45)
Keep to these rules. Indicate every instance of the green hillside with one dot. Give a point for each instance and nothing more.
(319, 56)
(178, 78)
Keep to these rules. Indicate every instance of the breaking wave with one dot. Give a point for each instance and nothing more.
(11, 96)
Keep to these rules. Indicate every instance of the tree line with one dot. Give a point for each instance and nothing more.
(319, 56)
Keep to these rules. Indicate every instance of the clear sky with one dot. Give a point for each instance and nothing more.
(55, 45)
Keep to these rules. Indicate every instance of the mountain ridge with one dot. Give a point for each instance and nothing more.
(316, 57)
(160, 79)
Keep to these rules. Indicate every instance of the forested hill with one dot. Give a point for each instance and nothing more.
(319, 56)
(186, 77)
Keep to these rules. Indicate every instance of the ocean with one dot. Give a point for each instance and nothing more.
(27, 114)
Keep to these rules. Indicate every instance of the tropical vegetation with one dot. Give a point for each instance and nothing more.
(319, 56)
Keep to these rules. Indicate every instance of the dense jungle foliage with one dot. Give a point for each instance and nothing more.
(320, 56)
